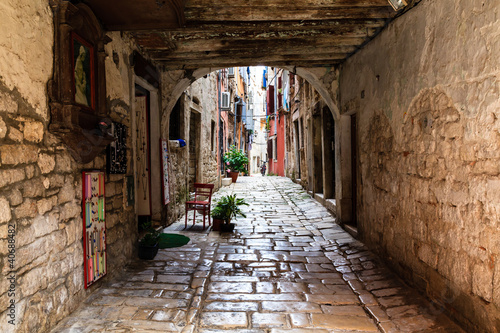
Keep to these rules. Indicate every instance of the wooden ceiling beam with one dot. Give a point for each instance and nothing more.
(288, 3)
(286, 13)
(250, 52)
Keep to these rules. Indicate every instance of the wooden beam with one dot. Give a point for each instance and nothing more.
(286, 3)
(286, 13)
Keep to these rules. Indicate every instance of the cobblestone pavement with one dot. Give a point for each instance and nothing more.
(288, 268)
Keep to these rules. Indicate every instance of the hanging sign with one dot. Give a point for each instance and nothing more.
(94, 227)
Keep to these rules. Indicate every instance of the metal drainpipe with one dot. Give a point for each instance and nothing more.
(219, 121)
(235, 115)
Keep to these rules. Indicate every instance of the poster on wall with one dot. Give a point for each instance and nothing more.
(117, 150)
(94, 227)
(164, 170)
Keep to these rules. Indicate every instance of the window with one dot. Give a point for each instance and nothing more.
(230, 72)
(212, 136)
(225, 98)
(174, 129)
(275, 149)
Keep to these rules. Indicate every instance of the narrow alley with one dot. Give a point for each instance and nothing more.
(287, 268)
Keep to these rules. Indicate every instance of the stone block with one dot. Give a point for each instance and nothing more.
(70, 210)
(3, 128)
(45, 205)
(18, 154)
(27, 209)
(63, 163)
(225, 320)
(33, 131)
(11, 176)
(5, 213)
(15, 134)
(482, 281)
(66, 193)
(226, 181)
(43, 225)
(46, 163)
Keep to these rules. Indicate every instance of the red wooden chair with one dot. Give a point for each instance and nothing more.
(201, 202)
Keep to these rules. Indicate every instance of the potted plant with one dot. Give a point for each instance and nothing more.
(225, 209)
(148, 244)
(235, 161)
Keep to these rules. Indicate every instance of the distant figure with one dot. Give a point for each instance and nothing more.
(80, 79)
(263, 169)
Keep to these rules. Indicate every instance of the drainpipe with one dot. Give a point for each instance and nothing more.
(219, 88)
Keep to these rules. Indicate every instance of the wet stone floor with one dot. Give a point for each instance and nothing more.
(287, 268)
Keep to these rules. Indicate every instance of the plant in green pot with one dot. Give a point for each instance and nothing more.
(235, 160)
(148, 244)
(226, 208)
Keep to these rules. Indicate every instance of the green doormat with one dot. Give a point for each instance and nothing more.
(172, 240)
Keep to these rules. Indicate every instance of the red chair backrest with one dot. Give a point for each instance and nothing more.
(203, 190)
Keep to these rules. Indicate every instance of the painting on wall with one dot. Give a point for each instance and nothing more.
(117, 150)
(164, 159)
(83, 71)
(94, 227)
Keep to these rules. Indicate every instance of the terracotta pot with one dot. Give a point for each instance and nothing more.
(216, 224)
(233, 175)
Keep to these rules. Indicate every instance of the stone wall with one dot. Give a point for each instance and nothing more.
(40, 183)
(426, 92)
(201, 98)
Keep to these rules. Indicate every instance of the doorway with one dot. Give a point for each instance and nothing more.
(194, 148)
(354, 170)
(143, 155)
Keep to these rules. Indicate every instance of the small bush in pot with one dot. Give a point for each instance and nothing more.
(226, 208)
(148, 244)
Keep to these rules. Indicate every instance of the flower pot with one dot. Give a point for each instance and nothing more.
(148, 252)
(216, 224)
(233, 175)
(229, 227)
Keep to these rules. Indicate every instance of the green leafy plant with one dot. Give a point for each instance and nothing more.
(235, 159)
(227, 207)
(151, 237)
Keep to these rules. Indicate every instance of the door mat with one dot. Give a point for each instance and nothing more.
(172, 240)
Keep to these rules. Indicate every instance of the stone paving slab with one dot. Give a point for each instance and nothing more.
(287, 268)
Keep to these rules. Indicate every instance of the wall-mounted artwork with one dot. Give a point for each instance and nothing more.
(94, 227)
(117, 150)
(164, 159)
(83, 71)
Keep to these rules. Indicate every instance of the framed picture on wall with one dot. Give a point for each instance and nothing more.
(82, 57)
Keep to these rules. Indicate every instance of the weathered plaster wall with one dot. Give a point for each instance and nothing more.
(427, 94)
(40, 183)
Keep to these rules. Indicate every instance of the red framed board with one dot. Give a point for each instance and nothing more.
(94, 226)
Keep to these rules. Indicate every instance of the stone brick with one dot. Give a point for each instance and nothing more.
(33, 131)
(71, 210)
(11, 176)
(43, 225)
(45, 205)
(3, 128)
(342, 322)
(18, 154)
(482, 281)
(66, 193)
(46, 163)
(15, 134)
(63, 162)
(27, 209)
(225, 320)
(5, 213)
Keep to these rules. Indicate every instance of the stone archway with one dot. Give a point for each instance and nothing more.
(324, 79)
